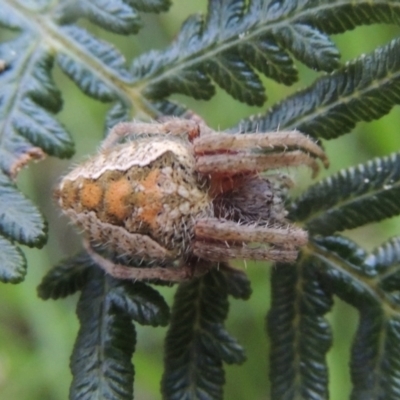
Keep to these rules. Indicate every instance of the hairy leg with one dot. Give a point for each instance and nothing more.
(217, 251)
(119, 271)
(231, 164)
(218, 240)
(230, 231)
(286, 140)
(174, 126)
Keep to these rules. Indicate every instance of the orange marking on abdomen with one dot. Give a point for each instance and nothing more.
(91, 194)
(116, 195)
(150, 200)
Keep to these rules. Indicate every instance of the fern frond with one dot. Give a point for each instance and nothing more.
(20, 222)
(66, 278)
(27, 121)
(19, 219)
(363, 90)
(352, 197)
(197, 344)
(361, 280)
(117, 16)
(150, 5)
(267, 32)
(80, 64)
(237, 283)
(12, 262)
(386, 255)
(142, 303)
(101, 360)
(300, 335)
(386, 260)
(119, 112)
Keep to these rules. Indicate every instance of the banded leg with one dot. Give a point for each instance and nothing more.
(217, 251)
(286, 140)
(174, 126)
(216, 239)
(238, 152)
(119, 271)
(231, 164)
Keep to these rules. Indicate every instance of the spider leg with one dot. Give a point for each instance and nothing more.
(290, 140)
(216, 240)
(230, 231)
(215, 251)
(119, 271)
(172, 126)
(231, 164)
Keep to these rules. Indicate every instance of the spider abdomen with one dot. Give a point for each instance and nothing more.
(138, 198)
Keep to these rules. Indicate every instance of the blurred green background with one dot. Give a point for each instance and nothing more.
(36, 337)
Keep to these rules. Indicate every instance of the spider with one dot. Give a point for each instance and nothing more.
(180, 198)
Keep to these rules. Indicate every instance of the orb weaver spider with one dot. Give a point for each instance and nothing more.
(183, 198)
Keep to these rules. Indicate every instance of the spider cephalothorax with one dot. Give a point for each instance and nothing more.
(177, 194)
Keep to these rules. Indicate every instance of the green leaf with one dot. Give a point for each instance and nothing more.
(363, 90)
(376, 346)
(352, 197)
(270, 59)
(231, 73)
(9, 19)
(12, 262)
(310, 46)
(338, 16)
(101, 360)
(19, 218)
(238, 284)
(141, 302)
(119, 16)
(300, 335)
(193, 83)
(119, 112)
(170, 108)
(83, 70)
(116, 15)
(27, 102)
(150, 5)
(386, 260)
(341, 265)
(66, 278)
(234, 38)
(197, 343)
(386, 255)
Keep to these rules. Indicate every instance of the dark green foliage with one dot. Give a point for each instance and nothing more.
(362, 280)
(300, 336)
(197, 342)
(237, 283)
(363, 90)
(12, 262)
(117, 16)
(142, 303)
(101, 360)
(354, 197)
(82, 70)
(21, 222)
(66, 278)
(233, 40)
(19, 219)
(235, 46)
